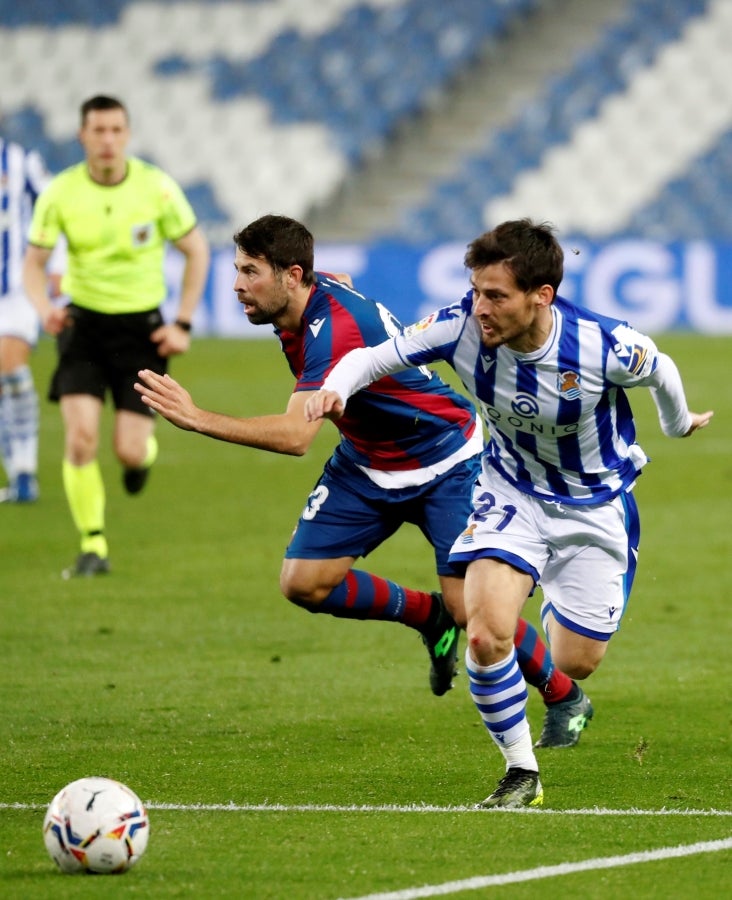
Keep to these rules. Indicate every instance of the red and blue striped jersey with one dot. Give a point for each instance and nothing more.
(401, 422)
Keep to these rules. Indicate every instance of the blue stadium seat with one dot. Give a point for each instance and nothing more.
(566, 101)
(377, 65)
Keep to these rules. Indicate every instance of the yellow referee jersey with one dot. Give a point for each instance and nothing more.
(116, 235)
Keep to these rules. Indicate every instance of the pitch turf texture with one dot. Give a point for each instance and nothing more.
(287, 755)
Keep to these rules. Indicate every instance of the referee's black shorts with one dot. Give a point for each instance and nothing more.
(99, 352)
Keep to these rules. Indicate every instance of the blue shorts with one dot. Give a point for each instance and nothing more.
(348, 515)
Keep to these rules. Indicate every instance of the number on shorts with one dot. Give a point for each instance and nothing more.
(485, 503)
(315, 501)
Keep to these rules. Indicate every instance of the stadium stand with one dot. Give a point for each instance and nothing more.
(258, 106)
(631, 113)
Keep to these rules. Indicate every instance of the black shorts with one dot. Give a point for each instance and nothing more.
(100, 352)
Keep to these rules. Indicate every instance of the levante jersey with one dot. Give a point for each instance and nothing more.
(559, 419)
(22, 177)
(116, 234)
(406, 421)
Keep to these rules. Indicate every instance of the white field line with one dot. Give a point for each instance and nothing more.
(412, 808)
(588, 865)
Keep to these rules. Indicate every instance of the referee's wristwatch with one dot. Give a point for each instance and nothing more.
(185, 326)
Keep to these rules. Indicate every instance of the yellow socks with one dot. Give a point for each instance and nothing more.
(85, 494)
(152, 452)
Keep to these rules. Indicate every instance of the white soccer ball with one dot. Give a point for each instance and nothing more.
(96, 825)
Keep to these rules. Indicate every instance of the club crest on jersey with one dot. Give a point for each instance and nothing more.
(568, 385)
(467, 536)
(422, 325)
(141, 235)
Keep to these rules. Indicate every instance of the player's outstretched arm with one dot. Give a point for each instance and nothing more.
(287, 432)
(324, 405)
(163, 394)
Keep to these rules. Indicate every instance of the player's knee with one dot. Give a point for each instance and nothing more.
(581, 669)
(578, 665)
(130, 453)
(486, 647)
(81, 446)
(308, 596)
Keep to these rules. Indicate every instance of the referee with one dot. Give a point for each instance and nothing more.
(116, 213)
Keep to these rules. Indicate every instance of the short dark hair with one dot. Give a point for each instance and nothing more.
(101, 101)
(282, 242)
(529, 250)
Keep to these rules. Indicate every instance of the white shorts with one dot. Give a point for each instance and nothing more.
(584, 557)
(18, 318)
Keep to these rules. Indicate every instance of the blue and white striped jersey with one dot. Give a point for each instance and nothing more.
(559, 420)
(22, 177)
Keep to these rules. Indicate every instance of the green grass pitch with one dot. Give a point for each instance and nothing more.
(253, 730)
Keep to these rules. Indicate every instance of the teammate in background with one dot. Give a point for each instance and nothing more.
(22, 177)
(409, 452)
(554, 502)
(116, 213)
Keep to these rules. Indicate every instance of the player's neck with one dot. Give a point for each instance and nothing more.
(292, 317)
(108, 175)
(537, 334)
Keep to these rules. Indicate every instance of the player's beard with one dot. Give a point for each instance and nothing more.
(269, 310)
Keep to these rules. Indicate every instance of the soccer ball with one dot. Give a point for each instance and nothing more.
(96, 825)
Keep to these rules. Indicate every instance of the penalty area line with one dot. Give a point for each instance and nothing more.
(588, 865)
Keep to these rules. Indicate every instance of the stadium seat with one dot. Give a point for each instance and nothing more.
(340, 76)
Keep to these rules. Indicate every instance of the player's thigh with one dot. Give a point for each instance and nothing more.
(14, 353)
(495, 593)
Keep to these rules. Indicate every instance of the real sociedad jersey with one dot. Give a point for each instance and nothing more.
(402, 422)
(559, 420)
(22, 177)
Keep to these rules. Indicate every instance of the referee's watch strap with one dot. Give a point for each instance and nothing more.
(186, 326)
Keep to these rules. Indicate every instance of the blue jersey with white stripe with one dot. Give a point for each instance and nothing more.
(401, 422)
(22, 177)
(559, 419)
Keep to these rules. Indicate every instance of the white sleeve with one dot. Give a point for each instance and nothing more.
(667, 391)
(363, 366)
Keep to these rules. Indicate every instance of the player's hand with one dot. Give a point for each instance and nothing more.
(324, 405)
(171, 340)
(55, 319)
(163, 394)
(699, 420)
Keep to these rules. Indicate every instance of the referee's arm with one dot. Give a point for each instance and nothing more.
(35, 284)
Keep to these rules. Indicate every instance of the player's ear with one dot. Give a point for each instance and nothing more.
(545, 294)
(294, 276)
